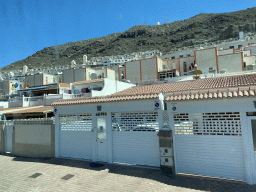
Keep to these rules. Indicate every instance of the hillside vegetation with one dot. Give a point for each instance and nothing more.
(195, 30)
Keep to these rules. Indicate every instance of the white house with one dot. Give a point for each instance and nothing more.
(213, 122)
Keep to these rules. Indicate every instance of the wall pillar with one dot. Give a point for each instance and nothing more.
(94, 137)
(109, 137)
(57, 135)
(171, 125)
(248, 148)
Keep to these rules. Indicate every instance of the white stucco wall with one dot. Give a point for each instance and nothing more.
(118, 106)
(80, 75)
(30, 80)
(225, 51)
(68, 76)
(48, 79)
(111, 74)
(33, 134)
(251, 60)
(232, 62)
(133, 71)
(111, 87)
(4, 104)
(205, 59)
(89, 73)
(243, 104)
(39, 79)
(149, 69)
(189, 61)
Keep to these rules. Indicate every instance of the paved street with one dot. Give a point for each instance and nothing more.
(32, 174)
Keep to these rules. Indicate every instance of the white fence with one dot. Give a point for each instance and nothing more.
(45, 100)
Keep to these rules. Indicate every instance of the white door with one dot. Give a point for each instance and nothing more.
(102, 150)
(252, 123)
(209, 144)
(76, 136)
(135, 139)
(8, 136)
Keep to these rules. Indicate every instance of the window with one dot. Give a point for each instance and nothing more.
(226, 123)
(181, 56)
(188, 55)
(185, 66)
(173, 57)
(161, 77)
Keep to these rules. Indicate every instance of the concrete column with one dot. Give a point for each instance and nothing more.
(160, 118)
(94, 138)
(171, 124)
(248, 148)
(109, 137)
(57, 135)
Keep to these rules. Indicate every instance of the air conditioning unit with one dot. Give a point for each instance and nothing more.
(222, 71)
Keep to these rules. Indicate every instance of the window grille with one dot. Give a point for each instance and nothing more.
(101, 114)
(228, 123)
(166, 119)
(76, 122)
(137, 121)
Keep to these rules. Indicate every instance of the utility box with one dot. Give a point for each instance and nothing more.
(166, 152)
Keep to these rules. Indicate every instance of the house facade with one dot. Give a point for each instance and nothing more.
(212, 121)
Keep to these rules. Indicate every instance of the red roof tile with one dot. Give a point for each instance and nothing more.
(38, 109)
(209, 88)
(89, 81)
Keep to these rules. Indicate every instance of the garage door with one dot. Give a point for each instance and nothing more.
(135, 139)
(209, 144)
(76, 136)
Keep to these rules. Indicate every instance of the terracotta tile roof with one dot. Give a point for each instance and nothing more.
(37, 109)
(14, 108)
(213, 83)
(104, 99)
(64, 85)
(89, 81)
(212, 94)
(208, 88)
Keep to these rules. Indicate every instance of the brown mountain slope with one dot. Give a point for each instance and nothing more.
(195, 30)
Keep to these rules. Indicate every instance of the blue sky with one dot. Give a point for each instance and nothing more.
(28, 26)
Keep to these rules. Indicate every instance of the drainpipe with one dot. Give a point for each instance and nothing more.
(22, 100)
(161, 98)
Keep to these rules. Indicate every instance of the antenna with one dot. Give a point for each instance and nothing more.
(166, 18)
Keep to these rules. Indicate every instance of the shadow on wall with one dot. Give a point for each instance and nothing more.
(181, 180)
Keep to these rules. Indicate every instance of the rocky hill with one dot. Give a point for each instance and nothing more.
(195, 30)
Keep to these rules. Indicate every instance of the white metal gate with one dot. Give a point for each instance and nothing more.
(8, 136)
(135, 139)
(76, 136)
(209, 144)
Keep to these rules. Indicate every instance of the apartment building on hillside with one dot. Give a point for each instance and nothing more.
(42, 79)
(85, 74)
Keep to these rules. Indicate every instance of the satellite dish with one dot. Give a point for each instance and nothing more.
(198, 72)
(93, 76)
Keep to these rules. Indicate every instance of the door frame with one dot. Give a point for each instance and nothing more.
(98, 140)
(8, 126)
(250, 142)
